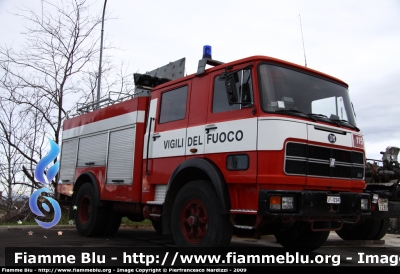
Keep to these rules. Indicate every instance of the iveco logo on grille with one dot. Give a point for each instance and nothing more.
(332, 138)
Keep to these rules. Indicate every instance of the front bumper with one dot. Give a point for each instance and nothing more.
(313, 205)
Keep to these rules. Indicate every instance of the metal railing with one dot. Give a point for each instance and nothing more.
(82, 108)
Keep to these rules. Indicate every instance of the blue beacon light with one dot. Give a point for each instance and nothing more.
(207, 52)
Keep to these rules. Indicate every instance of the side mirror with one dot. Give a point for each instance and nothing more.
(231, 91)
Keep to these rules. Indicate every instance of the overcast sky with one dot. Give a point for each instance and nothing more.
(357, 41)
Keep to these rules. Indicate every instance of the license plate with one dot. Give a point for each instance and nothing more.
(333, 200)
(383, 204)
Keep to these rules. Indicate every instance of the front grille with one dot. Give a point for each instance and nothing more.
(317, 169)
(319, 153)
(303, 159)
(357, 172)
(341, 155)
(357, 158)
(295, 167)
(341, 171)
(297, 150)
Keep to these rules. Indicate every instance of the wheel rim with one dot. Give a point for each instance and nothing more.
(84, 209)
(193, 221)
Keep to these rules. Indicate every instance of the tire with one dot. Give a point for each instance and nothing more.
(366, 230)
(157, 225)
(113, 223)
(301, 238)
(90, 219)
(383, 229)
(196, 220)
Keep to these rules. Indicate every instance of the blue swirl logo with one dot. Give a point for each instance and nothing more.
(45, 180)
(45, 161)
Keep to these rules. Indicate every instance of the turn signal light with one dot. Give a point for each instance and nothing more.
(275, 202)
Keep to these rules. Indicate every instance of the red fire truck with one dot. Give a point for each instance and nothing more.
(256, 144)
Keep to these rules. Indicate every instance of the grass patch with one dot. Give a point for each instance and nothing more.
(16, 223)
(65, 221)
(126, 221)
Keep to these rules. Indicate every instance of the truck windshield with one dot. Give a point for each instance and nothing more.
(288, 91)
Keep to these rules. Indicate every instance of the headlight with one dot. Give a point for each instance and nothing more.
(287, 202)
(365, 204)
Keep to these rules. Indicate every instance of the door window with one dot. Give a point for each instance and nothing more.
(173, 105)
(243, 86)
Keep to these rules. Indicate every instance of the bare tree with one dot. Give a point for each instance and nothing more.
(41, 83)
(117, 83)
(14, 187)
(43, 78)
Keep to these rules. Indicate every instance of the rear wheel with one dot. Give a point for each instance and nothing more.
(196, 220)
(301, 238)
(90, 219)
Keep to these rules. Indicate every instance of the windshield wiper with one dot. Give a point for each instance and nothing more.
(324, 116)
(318, 115)
(345, 121)
(296, 111)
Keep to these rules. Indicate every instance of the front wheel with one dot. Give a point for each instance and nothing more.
(196, 218)
(157, 225)
(301, 238)
(383, 229)
(113, 223)
(366, 230)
